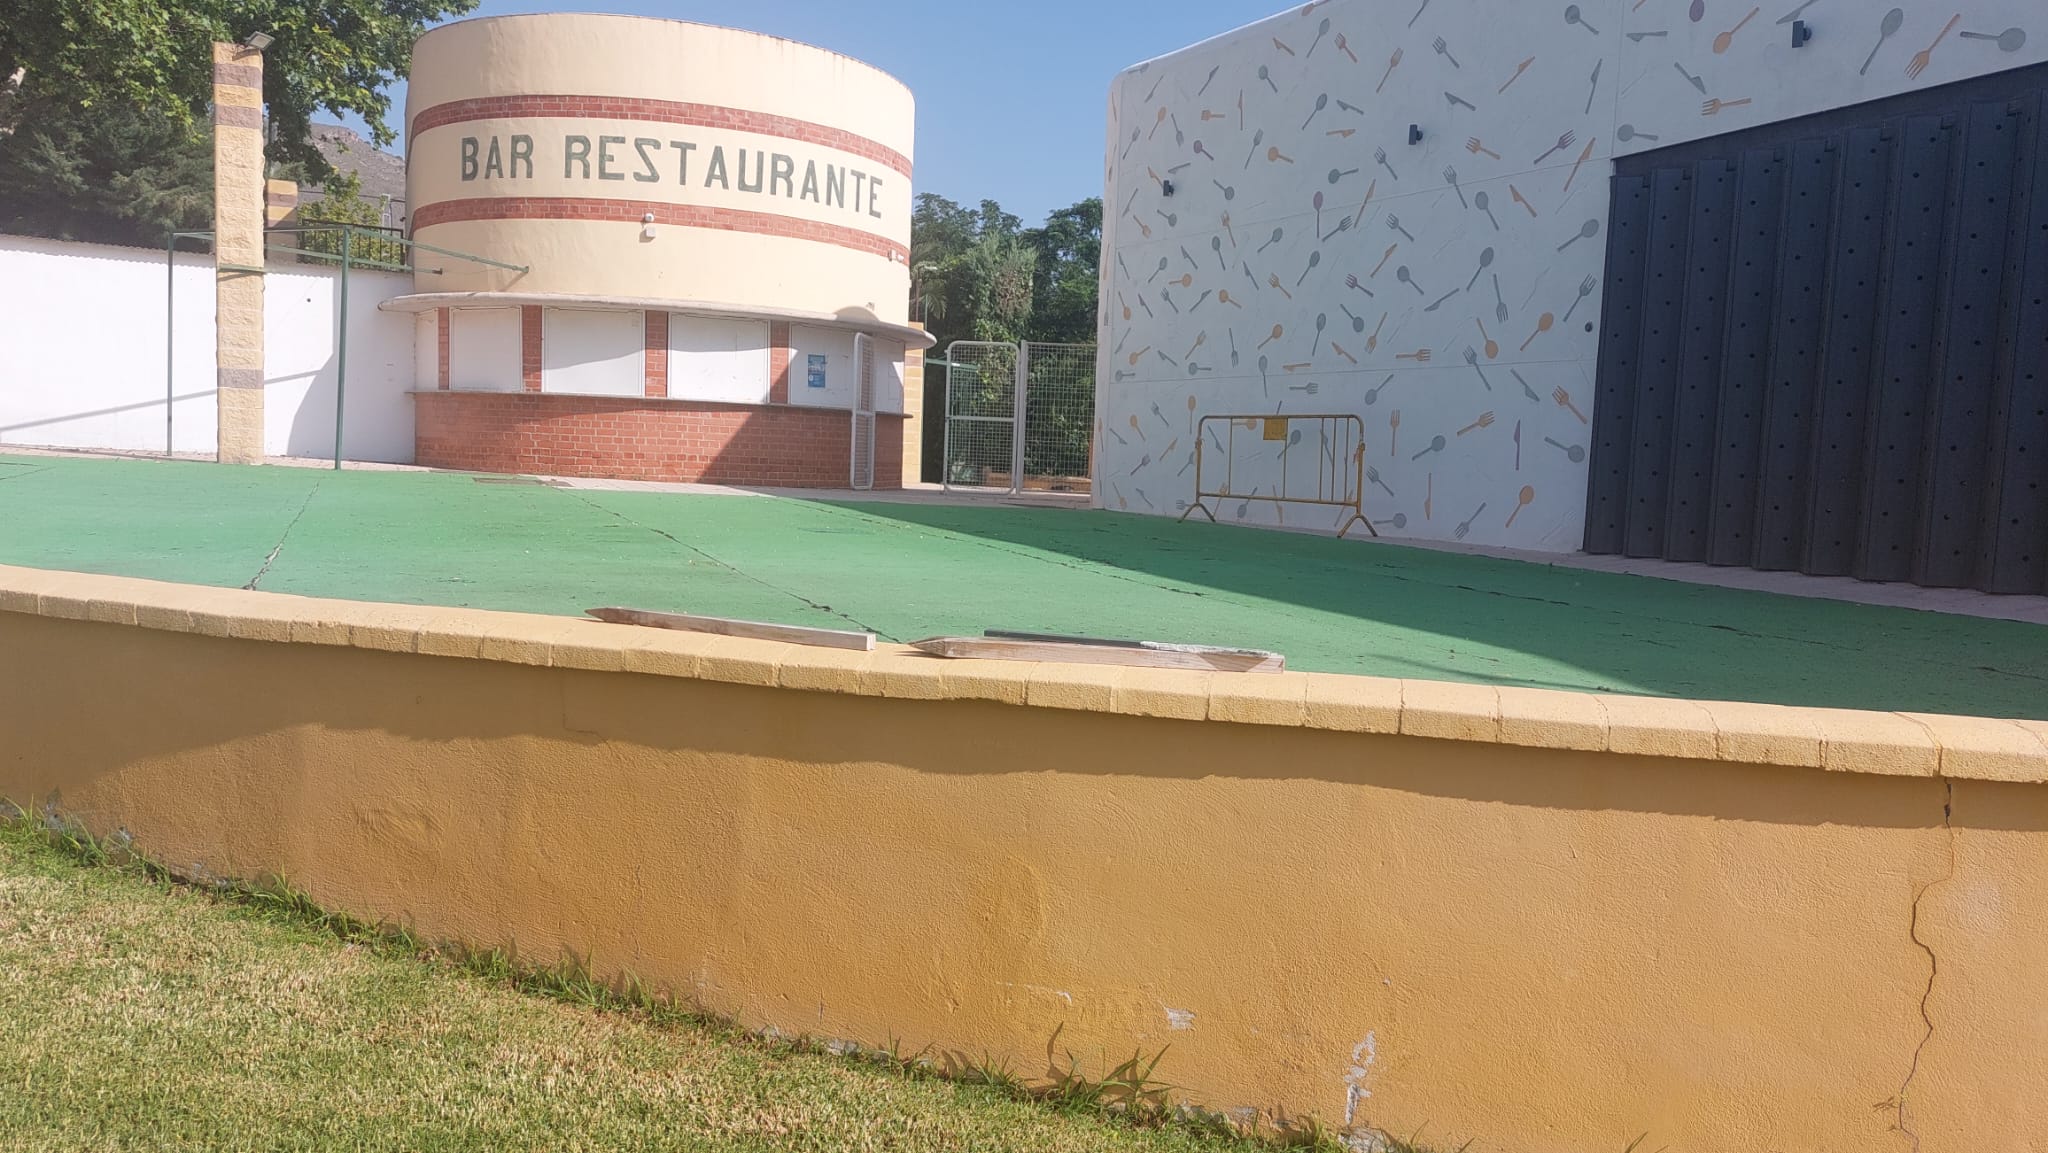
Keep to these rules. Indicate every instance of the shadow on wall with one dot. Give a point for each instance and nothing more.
(301, 368)
(311, 431)
(1645, 635)
(354, 690)
(23, 432)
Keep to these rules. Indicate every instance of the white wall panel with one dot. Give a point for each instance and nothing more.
(483, 350)
(888, 375)
(426, 350)
(711, 358)
(594, 353)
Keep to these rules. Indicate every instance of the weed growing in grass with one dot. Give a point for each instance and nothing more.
(1128, 1090)
(917, 1066)
(994, 1073)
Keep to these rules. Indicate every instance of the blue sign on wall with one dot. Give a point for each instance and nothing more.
(817, 371)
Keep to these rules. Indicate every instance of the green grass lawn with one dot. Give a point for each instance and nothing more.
(138, 1014)
(907, 571)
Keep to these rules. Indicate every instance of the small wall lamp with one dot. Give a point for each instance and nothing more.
(1415, 134)
(1801, 33)
(647, 226)
(258, 40)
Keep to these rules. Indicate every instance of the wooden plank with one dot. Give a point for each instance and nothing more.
(1085, 651)
(1063, 639)
(727, 627)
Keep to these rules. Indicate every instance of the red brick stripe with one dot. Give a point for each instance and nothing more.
(237, 116)
(631, 211)
(655, 354)
(530, 328)
(238, 75)
(779, 354)
(663, 112)
(442, 338)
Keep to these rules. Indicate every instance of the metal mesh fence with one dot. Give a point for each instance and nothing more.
(1059, 416)
(991, 442)
(981, 415)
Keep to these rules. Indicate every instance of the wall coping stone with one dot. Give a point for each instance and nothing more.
(1836, 740)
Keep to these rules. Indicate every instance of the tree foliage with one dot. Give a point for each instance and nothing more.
(111, 173)
(344, 204)
(1067, 278)
(972, 270)
(981, 275)
(155, 57)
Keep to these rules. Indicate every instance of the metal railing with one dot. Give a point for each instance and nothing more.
(346, 258)
(1251, 440)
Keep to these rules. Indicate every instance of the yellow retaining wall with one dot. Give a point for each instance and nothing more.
(1547, 921)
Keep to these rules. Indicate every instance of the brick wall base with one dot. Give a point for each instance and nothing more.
(630, 438)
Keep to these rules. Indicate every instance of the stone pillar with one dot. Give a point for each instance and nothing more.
(913, 413)
(238, 214)
(281, 203)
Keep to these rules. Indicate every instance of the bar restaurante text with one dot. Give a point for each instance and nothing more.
(646, 160)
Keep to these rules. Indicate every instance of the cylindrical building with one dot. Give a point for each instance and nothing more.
(714, 232)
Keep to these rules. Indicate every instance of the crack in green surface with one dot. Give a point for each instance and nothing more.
(283, 537)
(917, 569)
(680, 543)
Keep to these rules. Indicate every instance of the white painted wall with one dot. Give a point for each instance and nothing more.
(714, 358)
(1287, 143)
(82, 331)
(300, 367)
(483, 350)
(591, 352)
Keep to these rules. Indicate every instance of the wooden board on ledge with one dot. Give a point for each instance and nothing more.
(728, 627)
(1007, 646)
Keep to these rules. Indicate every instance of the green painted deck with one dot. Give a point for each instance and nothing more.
(906, 570)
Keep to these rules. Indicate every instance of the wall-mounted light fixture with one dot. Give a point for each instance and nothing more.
(259, 40)
(647, 226)
(1415, 134)
(1801, 33)
(1166, 188)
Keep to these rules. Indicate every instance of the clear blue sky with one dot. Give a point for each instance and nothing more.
(1011, 96)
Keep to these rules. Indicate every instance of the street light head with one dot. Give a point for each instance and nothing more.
(258, 40)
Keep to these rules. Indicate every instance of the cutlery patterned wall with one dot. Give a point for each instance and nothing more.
(1311, 260)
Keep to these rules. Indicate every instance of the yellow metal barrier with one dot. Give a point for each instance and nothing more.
(1339, 472)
